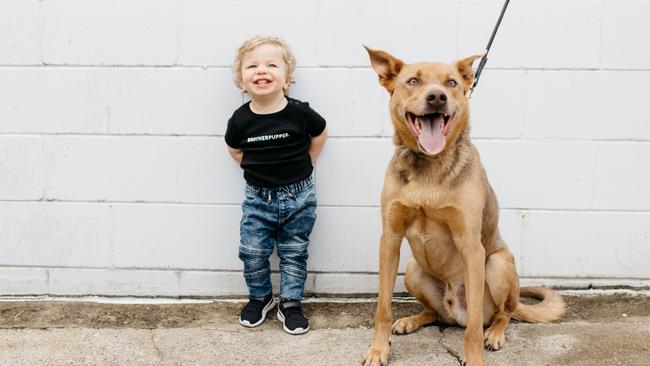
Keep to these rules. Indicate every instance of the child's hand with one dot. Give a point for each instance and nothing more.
(317, 143)
(236, 154)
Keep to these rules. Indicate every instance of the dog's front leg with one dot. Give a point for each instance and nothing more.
(388, 262)
(468, 242)
(394, 228)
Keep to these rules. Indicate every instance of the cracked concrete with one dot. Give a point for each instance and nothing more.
(600, 330)
(449, 350)
(159, 352)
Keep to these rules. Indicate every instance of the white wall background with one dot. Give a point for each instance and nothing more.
(114, 178)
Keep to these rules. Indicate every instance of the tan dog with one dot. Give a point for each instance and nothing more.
(436, 194)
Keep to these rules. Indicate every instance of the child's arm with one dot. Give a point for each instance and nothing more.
(236, 154)
(317, 143)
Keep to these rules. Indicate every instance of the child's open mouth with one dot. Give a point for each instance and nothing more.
(262, 81)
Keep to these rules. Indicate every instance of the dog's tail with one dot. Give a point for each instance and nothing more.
(551, 307)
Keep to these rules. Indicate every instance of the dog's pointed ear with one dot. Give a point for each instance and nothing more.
(464, 66)
(386, 66)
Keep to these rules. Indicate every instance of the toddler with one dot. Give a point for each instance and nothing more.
(276, 140)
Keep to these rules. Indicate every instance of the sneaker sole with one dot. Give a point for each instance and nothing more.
(296, 331)
(266, 309)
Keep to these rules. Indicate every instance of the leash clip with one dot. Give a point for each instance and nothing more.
(477, 75)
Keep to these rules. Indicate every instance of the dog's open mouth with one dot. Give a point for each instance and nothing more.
(430, 130)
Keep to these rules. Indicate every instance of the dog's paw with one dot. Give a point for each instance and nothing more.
(376, 356)
(406, 325)
(494, 341)
(465, 363)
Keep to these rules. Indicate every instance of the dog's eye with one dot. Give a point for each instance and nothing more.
(451, 83)
(413, 81)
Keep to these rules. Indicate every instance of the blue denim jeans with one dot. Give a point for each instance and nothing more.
(282, 217)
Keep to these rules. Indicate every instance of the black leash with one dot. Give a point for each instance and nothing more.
(487, 49)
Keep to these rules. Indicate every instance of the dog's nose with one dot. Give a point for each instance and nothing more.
(437, 98)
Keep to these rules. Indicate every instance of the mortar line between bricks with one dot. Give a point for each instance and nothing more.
(238, 271)
(306, 67)
(343, 138)
(54, 201)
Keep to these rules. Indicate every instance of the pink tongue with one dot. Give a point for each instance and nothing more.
(431, 139)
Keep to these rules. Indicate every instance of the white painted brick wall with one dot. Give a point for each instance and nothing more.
(594, 243)
(211, 31)
(550, 34)
(622, 179)
(114, 177)
(109, 32)
(624, 35)
(20, 32)
(540, 174)
(606, 109)
(116, 100)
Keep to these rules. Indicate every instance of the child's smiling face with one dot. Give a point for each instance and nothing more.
(264, 72)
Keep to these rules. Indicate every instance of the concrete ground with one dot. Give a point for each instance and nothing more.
(599, 329)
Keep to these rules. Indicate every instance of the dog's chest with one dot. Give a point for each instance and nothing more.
(432, 246)
(425, 196)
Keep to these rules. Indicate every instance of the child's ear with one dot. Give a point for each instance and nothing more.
(286, 85)
(386, 66)
(464, 67)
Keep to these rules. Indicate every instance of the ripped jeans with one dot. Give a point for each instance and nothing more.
(283, 217)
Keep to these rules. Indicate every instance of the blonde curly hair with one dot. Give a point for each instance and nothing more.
(256, 41)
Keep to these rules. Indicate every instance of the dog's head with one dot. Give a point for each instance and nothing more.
(429, 100)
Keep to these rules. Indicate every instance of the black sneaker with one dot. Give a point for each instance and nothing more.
(254, 313)
(290, 314)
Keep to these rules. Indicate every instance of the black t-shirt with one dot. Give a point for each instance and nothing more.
(275, 145)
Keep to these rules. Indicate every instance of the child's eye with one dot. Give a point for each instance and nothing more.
(273, 65)
(251, 66)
